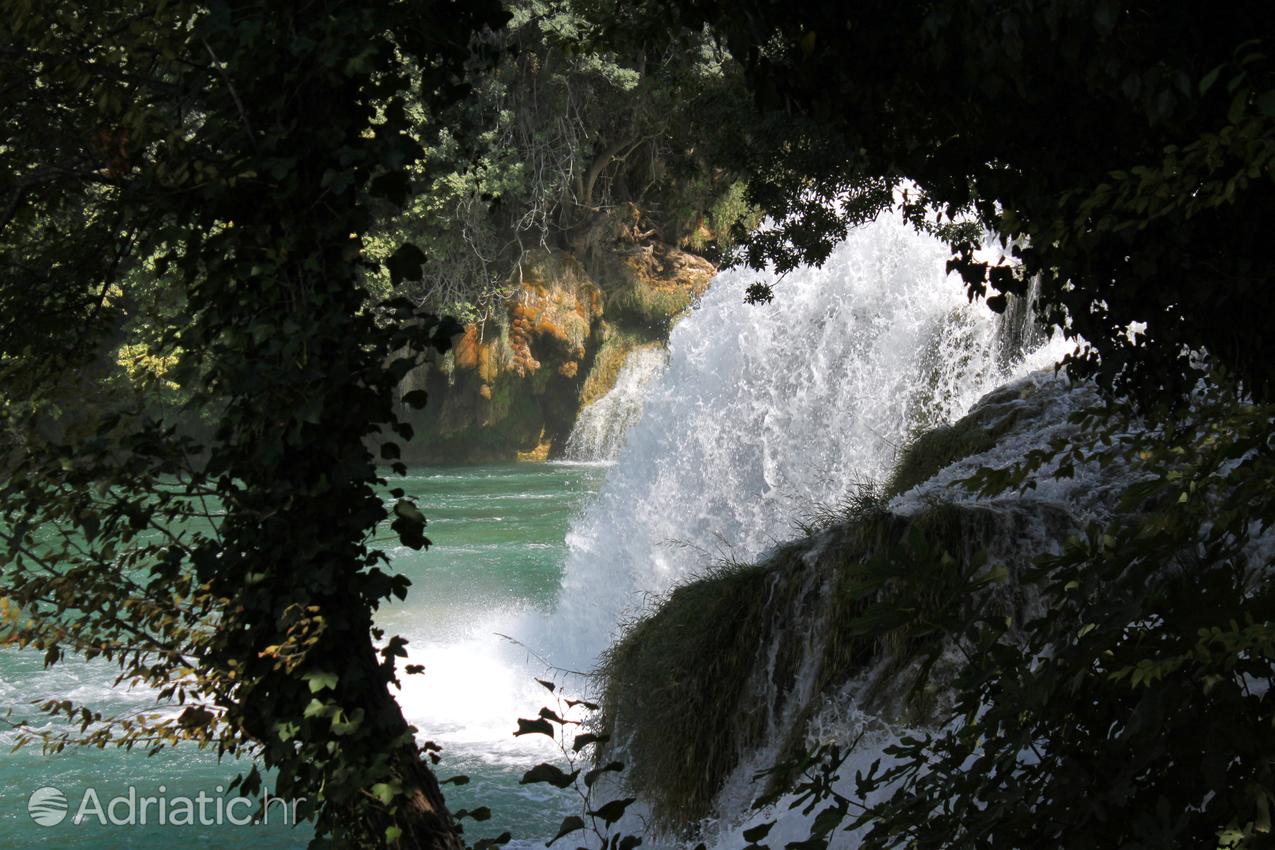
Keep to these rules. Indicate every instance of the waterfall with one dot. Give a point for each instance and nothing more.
(759, 415)
(765, 412)
(602, 427)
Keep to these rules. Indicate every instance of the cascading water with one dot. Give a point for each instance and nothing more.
(761, 414)
(765, 412)
(602, 427)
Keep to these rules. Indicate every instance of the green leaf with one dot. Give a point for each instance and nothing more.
(319, 681)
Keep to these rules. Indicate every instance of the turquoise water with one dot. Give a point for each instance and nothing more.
(498, 534)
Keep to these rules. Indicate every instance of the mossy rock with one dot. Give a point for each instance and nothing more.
(613, 353)
(978, 431)
(649, 286)
(673, 686)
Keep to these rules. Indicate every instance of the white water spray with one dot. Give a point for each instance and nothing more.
(765, 412)
(761, 414)
(602, 427)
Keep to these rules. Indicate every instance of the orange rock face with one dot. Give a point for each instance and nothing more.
(516, 382)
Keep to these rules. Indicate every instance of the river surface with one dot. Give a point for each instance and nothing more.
(498, 534)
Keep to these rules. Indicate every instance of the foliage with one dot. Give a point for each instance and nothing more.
(1127, 150)
(1135, 710)
(566, 726)
(1133, 707)
(228, 152)
(569, 140)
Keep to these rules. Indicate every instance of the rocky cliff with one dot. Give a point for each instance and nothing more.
(512, 386)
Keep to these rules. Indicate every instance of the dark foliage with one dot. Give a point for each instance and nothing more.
(1127, 149)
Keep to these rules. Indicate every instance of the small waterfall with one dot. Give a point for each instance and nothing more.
(765, 412)
(601, 428)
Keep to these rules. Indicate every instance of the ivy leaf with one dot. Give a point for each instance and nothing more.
(395, 186)
(613, 810)
(409, 523)
(545, 772)
(593, 775)
(532, 727)
(319, 681)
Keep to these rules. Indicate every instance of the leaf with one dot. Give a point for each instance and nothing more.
(409, 523)
(593, 775)
(394, 186)
(587, 738)
(405, 263)
(756, 833)
(545, 772)
(488, 843)
(828, 820)
(415, 399)
(319, 681)
(570, 824)
(532, 727)
(1210, 78)
(613, 810)
(550, 714)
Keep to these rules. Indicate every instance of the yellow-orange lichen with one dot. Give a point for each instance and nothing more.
(467, 349)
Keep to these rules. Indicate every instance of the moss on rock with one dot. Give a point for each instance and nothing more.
(674, 685)
(976, 432)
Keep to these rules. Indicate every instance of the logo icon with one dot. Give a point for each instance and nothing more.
(47, 806)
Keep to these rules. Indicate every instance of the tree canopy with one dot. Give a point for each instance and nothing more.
(1127, 150)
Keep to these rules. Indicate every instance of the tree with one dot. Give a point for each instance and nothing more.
(571, 139)
(231, 148)
(1126, 149)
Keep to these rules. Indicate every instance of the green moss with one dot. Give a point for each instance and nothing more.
(617, 345)
(973, 434)
(674, 686)
(936, 449)
(683, 687)
(655, 306)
